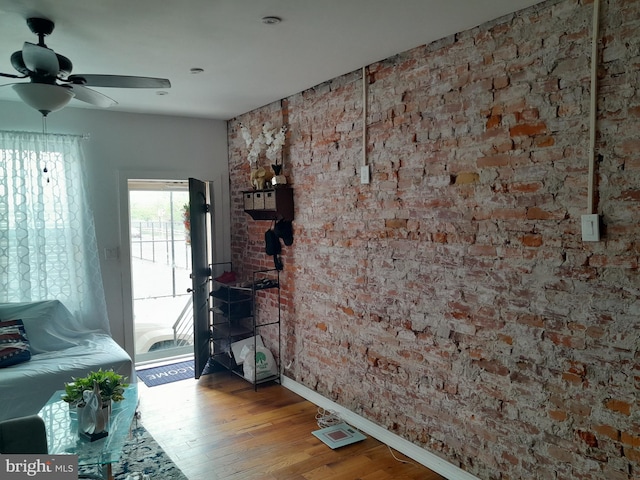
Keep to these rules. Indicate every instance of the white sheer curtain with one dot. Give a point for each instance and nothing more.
(48, 247)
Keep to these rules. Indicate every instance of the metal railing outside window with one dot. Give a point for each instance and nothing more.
(162, 243)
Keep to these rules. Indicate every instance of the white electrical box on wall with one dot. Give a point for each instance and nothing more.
(590, 228)
(364, 174)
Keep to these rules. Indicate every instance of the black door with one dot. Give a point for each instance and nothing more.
(201, 223)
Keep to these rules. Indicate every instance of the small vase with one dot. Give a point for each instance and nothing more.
(278, 178)
(93, 415)
(90, 430)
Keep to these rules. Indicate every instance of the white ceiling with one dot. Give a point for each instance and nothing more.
(247, 64)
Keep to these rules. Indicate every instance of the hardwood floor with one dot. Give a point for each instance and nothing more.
(218, 428)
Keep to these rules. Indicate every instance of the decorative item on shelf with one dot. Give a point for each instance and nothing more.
(186, 220)
(260, 177)
(270, 140)
(278, 179)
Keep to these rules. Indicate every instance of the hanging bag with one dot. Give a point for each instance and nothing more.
(272, 243)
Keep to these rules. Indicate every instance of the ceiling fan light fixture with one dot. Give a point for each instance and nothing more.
(44, 97)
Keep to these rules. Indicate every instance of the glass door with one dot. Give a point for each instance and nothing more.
(160, 266)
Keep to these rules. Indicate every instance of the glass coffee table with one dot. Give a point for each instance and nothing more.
(62, 432)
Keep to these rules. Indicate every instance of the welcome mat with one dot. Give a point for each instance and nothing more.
(166, 373)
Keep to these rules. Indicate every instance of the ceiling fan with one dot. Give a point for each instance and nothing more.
(51, 84)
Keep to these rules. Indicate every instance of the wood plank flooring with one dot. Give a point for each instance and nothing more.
(218, 428)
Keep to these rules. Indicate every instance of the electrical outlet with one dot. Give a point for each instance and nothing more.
(590, 228)
(364, 174)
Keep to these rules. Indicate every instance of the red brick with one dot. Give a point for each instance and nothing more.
(494, 161)
(607, 431)
(531, 320)
(348, 310)
(501, 82)
(619, 406)
(558, 415)
(536, 213)
(567, 340)
(395, 223)
(588, 438)
(546, 141)
(532, 240)
(465, 178)
(561, 454)
(572, 378)
(629, 147)
(482, 250)
(494, 121)
(492, 366)
(633, 195)
(528, 115)
(632, 454)
(508, 214)
(440, 237)
(528, 130)
(595, 331)
(629, 439)
(476, 353)
(525, 187)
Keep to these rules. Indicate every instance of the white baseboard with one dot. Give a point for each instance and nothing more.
(396, 442)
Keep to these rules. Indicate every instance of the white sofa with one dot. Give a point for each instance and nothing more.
(60, 350)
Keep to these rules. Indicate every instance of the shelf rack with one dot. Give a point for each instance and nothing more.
(234, 318)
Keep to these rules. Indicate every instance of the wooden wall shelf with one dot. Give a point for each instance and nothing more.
(269, 204)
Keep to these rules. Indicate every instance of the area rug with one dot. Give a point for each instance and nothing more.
(142, 457)
(166, 373)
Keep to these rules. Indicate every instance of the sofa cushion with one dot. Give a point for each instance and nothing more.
(14, 345)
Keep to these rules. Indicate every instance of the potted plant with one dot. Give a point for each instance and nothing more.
(105, 386)
(110, 384)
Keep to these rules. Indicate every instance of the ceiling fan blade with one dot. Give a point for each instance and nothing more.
(119, 81)
(11, 75)
(39, 59)
(87, 95)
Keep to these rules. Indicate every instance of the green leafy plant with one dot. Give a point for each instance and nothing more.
(110, 383)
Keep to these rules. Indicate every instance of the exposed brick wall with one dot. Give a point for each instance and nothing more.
(452, 299)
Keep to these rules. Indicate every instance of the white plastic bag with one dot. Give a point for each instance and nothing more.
(264, 366)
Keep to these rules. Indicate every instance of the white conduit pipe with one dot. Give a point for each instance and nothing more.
(364, 115)
(594, 105)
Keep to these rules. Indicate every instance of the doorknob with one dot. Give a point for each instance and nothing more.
(189, 290)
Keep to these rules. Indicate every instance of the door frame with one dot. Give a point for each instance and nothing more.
(222, 213)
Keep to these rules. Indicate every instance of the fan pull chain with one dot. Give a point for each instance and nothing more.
(45, 170)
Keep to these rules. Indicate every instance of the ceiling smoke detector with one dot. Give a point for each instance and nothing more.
(271, 20)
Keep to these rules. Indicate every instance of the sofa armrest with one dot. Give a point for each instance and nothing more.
(23, 435)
